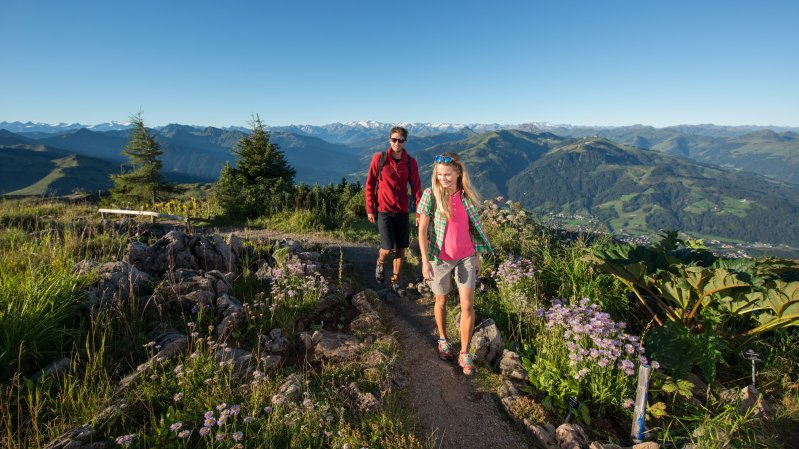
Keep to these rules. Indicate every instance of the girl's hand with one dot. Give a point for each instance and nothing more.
(479, 266)
(427, 271)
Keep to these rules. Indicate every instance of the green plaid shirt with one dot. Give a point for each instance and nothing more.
(434, 245)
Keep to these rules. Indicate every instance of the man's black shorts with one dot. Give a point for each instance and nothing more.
(394, 230)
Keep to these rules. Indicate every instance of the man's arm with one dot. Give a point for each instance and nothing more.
(416, 186)
(369, 188)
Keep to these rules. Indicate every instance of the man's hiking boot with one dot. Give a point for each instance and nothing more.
(444, 349)
(395, 285)
(466, 361)
(380, 275)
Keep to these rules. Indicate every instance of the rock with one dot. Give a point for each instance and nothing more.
(335, 347)
(362, 403)
(510, 365)
(365, 323)
(363, 301)
(231, 322)
(752, 400)
(508, 390)
(309, 256)
(271, 362)
(305, 340)
(279, 344)
(646, 445)
(374, 359)
(598, 445)
(227, 305)
(289, 391)
(486, 342)
(542, 436)
(570, 436)
(275, 333)
(237, 357)
(54, 369)
(117, 281)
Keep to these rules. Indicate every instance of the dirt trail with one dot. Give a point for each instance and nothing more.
(447, 403)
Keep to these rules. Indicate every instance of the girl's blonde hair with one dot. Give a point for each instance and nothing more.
(464, 183)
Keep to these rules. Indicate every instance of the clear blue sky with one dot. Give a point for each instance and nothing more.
(292, 62)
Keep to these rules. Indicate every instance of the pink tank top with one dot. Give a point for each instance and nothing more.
(457, 240)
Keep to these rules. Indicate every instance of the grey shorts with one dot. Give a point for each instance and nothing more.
(465, 271)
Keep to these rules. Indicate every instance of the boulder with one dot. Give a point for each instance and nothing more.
(510, 365)
(571, 436)
(334, 346)
(289, 391)
(486, 344)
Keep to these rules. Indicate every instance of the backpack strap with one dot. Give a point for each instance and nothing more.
(380, 168)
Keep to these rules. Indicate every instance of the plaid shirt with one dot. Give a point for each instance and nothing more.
(479, 238)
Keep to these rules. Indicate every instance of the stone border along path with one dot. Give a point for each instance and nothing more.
(447, 404)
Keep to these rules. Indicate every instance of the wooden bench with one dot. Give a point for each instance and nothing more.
(153, 215)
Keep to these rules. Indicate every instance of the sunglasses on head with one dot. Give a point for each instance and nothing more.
(441, 159)
(393, 140)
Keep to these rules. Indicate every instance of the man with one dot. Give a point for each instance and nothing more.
(387, 201)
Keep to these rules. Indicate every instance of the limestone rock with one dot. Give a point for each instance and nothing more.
(486, 342)
(335, 347)
(570, 436)
(510, 365)
(289, 391)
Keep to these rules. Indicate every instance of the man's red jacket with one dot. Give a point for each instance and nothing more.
(392, 193)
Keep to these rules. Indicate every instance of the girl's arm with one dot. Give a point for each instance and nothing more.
(427, 269)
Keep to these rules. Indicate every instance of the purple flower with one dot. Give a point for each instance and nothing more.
(627, 403)
(220, 436)
(184, 434)
(235, 409)
(237, 436)
(204, 431)
(267, 409)
(175, 426)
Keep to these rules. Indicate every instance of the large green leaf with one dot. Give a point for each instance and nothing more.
(781, 304)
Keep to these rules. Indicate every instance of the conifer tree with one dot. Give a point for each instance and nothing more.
(142, 182)
(261, 179)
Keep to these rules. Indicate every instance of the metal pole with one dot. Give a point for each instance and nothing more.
(639, 413)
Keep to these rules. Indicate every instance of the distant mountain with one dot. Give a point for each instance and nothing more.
(31, 127)
(628, 188)
(766, 152)
(27, 169)
(769, 151)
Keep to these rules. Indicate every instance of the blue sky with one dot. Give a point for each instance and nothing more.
(293, 62)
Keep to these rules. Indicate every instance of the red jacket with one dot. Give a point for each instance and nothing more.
(392, 193)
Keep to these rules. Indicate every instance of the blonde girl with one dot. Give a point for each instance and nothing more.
(453, 247)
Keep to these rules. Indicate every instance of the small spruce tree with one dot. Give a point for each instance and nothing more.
(261, 180)
(142, 182)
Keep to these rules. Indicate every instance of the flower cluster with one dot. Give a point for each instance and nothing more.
(293, 290)
(498, 212)
(515, 279)
(593, 338)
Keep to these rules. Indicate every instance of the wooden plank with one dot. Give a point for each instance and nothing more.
(144, 213)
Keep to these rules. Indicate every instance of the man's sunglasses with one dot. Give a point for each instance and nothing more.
(441, 159)
(393, 140)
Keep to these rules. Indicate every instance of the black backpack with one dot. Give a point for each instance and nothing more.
(383, 156)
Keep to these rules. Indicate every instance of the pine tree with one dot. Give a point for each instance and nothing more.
(143, 182)
(261, 180)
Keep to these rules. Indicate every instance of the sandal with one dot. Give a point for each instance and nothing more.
(444, 349)
(395, 285)
(466, 361)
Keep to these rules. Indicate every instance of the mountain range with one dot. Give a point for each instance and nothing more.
(734, 182)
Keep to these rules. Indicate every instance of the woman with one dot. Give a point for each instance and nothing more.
(452, 247)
